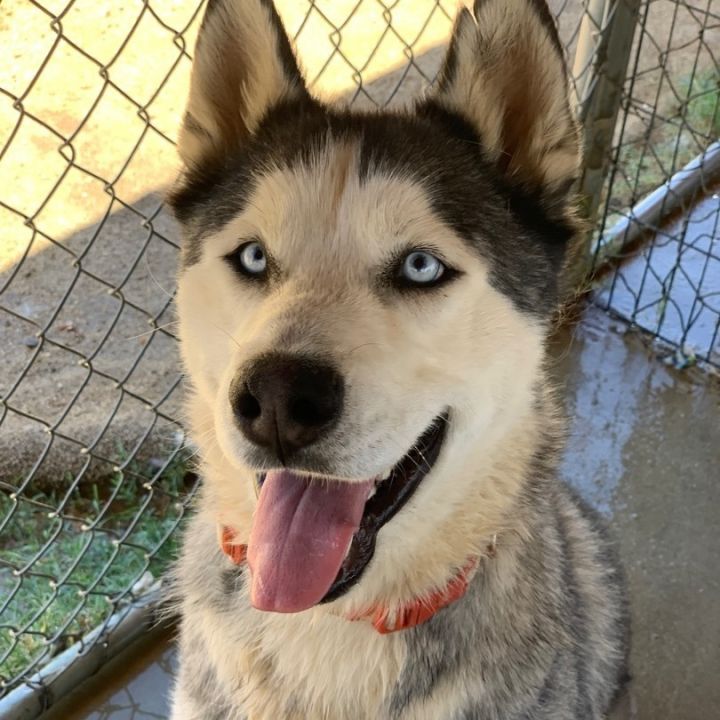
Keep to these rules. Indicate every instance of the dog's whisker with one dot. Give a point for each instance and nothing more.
(154, 330)
(154, 279)
(360, 347)
(225, 332)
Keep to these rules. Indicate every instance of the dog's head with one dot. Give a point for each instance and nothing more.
(364, 297)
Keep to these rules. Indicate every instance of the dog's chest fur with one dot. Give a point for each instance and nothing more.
(312, 665)
(534, 638)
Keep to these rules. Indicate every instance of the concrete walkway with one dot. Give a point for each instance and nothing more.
(645, 448)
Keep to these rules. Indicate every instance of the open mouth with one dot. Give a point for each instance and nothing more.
(312, 539)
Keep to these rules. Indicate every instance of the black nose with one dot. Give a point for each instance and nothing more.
(285, 402)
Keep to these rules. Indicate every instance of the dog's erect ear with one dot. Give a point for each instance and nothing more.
(243, 65)
(505, 73)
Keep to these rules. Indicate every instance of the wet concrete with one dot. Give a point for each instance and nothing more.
(644, 447)
(133, 687)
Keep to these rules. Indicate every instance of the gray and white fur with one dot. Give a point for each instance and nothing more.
(480, 173)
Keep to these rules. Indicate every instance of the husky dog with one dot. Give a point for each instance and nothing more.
(364, 301)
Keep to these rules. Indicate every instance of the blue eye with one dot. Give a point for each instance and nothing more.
(250, 259)
(421, 268)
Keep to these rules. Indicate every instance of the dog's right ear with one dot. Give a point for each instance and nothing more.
(243, 66)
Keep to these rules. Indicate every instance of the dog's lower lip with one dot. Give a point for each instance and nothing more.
(389, 498)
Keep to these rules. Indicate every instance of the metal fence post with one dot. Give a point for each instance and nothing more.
(606, 40)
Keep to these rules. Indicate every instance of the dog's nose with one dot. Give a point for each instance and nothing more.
(285, 402)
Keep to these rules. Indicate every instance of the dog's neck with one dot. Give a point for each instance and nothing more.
(384, 619)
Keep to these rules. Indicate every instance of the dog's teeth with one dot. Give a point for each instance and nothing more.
(347, 549)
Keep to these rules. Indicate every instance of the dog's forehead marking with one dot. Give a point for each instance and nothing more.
(328, 212)
(344, 157)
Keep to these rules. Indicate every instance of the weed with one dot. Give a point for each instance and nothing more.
(671, 141)
(62, 574)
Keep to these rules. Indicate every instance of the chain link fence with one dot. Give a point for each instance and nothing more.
(97, 473)
(660, 210)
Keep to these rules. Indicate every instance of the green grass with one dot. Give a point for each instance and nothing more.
(691, 125)
(62, 576)
(703, 108)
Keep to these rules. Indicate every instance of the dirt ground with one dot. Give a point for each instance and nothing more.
(89, 108)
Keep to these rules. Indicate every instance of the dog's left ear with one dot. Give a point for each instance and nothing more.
(505, 74)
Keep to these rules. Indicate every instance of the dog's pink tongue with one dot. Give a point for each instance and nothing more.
(299, 536)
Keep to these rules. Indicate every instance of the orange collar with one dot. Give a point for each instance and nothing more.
(408, 615)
